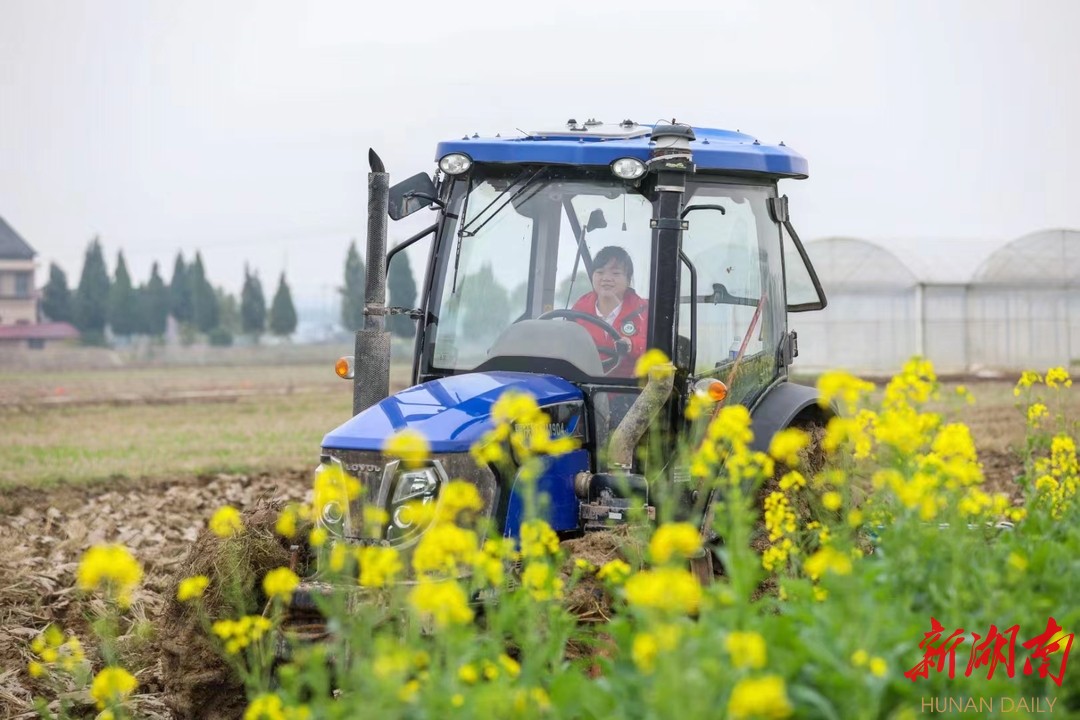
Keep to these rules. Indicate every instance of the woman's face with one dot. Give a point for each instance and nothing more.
(610, 280)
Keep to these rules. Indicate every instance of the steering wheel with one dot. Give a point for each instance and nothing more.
(610, 362)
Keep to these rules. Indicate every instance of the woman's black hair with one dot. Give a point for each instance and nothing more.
(620, 256)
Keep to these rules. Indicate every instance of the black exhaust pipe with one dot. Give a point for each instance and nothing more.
(371, 376)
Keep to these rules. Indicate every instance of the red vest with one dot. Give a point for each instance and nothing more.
(632, 323)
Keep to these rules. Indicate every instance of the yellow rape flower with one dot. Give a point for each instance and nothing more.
(267, 706)
(280, 583)
(964, 394)
(111, 686)
(648, 645)
(1027, 379)
(793, 480)
(653, 359)
(410, 446)
(459, 496)
(1058, 376)
(832, 500)
(538, 539)
(242, 632)
(378, 566)
(443, 547)
(285, 525)
(226, 521)
(668, 589)
(841, 386)
(678, 540)
(732, 425)
(445, 602)
(1036, 414)
(468, 674)
(192, 587)
(747, 649)
(786, 445)
(878, 667)
(111, 567)
(35, 669)
(541, 583)
(859, 658)
(514, 406)
(827, 559)
(318, 536)
(761, 697)
(615, 571)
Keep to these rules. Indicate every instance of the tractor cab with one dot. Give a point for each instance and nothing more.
(557, 259)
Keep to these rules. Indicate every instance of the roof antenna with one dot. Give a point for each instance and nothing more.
(624, 212)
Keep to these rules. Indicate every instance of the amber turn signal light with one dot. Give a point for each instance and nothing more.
(344, 367)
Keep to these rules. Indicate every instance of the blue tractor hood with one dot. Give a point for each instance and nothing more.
(452, 413)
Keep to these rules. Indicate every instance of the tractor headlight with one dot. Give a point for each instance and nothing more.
(412, 488)
(455, 163)
(628, 168)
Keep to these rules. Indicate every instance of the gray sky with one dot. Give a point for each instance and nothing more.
(241, 128)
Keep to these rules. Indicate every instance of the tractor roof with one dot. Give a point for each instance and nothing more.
(596, 143)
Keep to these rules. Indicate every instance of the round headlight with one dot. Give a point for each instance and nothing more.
(332, 513)
(628, 168)
(455, 163)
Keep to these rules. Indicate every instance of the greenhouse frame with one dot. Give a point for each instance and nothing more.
(971, 306)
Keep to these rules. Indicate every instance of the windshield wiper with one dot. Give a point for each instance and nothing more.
(464, 230)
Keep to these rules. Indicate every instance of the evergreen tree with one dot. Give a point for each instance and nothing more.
(91, 310)
(123, 309)
(282, 312)
(56, 297)
(352, 294)
(402, 288)
(180, 305)
(204, 302)
(252, 306)
(154, 303)
(228, 311)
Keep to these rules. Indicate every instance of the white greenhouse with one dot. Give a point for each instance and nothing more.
(973, 306)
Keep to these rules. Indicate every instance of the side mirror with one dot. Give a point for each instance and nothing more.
(596, 220)
(410, 195)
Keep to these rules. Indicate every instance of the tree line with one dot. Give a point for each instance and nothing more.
(101, 301)
(126, 309)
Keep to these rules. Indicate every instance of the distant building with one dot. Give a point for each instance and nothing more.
(19, 324)
(18, 298)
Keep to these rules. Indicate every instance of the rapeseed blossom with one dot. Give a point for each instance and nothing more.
(192, 587)
(668, 589)
(444, 602)
(111, 686)
(226, 521)
(674, 540)
(280, 583)
(410, 446)
(747, 649)
(111, 567)
(786, 445)
(758, 698)
(378, 566)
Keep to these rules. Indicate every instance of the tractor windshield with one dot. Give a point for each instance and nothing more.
(549, 263)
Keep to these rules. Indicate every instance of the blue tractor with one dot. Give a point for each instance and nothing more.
(518, 295)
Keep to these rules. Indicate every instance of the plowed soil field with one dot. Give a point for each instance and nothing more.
(58, 498)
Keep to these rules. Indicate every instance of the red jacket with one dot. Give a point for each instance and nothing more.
(632, 323)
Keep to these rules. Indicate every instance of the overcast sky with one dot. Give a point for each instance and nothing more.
(241, 128)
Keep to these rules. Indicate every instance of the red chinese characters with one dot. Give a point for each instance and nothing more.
(996, 649)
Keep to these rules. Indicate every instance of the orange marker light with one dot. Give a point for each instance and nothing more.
(715, 390)
(344, 367)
